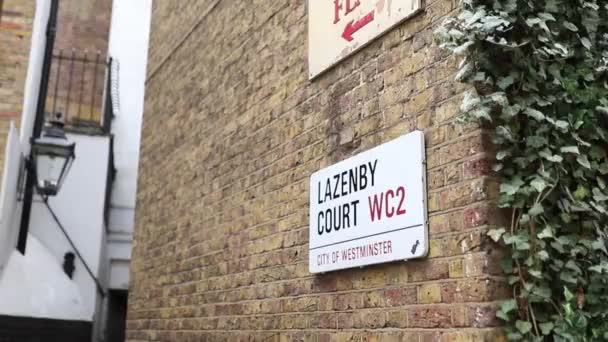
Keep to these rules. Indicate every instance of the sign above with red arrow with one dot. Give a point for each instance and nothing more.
(338, 28)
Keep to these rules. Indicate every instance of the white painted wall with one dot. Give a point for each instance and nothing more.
(79, 206)
(10, 208)
(129, 35)
(35, 286)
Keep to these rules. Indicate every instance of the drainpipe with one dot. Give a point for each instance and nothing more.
(28, 197)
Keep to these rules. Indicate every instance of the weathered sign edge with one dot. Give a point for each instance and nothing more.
(312, 77)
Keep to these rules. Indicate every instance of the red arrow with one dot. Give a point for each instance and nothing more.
(352, 27)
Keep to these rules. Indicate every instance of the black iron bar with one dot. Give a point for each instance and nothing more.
(67, 108)
(94, 85)
(108, 104)
(84, 71)
(58, 75)
(30, 181)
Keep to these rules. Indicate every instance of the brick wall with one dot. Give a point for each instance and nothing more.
(83, 28)
(83, 25)
(15, 38)
(232, 131)
(16, 19)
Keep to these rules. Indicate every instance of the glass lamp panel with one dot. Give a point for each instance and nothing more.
(53, 155)
(49, 171)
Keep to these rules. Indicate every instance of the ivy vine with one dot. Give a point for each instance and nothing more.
(539, 74)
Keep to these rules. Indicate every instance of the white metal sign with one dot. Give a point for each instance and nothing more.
(371, 208)
(337, 28)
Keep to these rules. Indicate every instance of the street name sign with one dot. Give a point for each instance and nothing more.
(370, 208)
(338, 28)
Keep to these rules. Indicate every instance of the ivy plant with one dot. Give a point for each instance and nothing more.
(538, 71)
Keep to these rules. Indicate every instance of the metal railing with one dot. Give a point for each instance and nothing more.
(77, 86)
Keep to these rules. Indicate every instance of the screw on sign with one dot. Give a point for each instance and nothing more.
(338, 28)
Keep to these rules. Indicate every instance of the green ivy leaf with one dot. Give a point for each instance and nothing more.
(568, 277)
(536, 141)
(496, 234)
(599, 196)
(508, 305)
(524, 327)
(570, 26)
(581, 192)
(574, 267)
(505, 82)
(570, 149)
(582, 160)
(543, 292)
(501, 155)
(550, 157)
(546, 328)
(533, 113)
(562, 124)
(546, 233)
(601, 268)
(539, 184)
(512, 187)
(536, 210)
(546, 60)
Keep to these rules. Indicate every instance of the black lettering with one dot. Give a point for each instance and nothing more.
(319, 194)
(336, 194)
(352, 177)
(337, 218)
(344, 182)
(319, 226)
(373, 171)
(327, 191)
(346, 215)
(362, 177)
(328, 220)
(354, 204)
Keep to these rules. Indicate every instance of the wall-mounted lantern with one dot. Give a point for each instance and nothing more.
(52, 157)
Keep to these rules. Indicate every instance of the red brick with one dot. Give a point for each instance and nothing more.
(435, 316)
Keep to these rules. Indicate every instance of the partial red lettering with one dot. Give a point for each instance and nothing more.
(401, 210)
(338, 7)
(351, 5)
(375, 209)
(390, 212)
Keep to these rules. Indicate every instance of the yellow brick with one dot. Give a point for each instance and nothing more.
(456, 269)
(429, 293)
